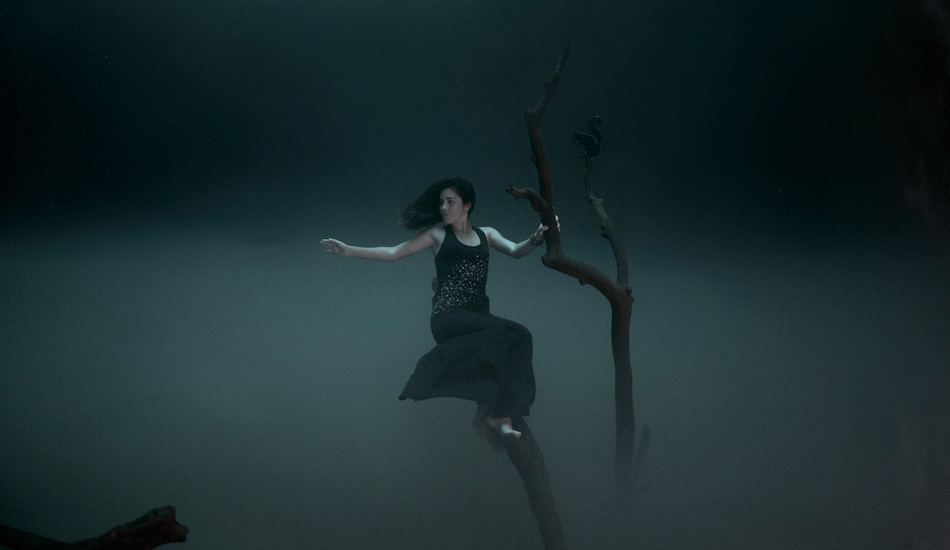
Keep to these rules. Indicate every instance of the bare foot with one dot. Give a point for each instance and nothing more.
(484, 429)
(503, 426)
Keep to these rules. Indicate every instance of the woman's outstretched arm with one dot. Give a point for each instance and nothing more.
(429, 238)
(516, 250)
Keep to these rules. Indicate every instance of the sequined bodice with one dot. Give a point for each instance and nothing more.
(461, 272)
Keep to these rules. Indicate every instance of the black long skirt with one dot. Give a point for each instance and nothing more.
(478, 357)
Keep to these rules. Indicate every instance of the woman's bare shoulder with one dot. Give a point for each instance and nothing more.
(489, 232)
(435, 233)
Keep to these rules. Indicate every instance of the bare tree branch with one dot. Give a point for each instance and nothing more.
(539, 157)
(606, 227)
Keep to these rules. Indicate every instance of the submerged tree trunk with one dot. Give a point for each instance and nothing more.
(527, 459)
(618, 292)
(155, 528)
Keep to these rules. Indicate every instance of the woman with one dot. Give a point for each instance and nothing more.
(479, 357)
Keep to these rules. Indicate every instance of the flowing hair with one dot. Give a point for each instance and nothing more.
(424, 211)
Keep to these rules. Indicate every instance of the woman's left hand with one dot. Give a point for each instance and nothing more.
(538, 236)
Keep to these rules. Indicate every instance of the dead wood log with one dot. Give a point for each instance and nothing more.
(154, 529)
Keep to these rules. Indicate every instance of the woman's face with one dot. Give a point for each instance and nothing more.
(451, 206)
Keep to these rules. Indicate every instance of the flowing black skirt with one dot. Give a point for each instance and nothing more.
(478, 357)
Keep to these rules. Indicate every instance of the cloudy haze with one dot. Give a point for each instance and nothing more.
(172, 332)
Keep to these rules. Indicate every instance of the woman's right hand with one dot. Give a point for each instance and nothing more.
(335, 246)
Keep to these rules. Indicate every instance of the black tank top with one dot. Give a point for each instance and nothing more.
(461, 274)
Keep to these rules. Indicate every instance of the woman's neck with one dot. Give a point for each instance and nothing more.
(462, 227)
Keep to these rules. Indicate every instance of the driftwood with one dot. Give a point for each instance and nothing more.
(618, 293)
(154, 529)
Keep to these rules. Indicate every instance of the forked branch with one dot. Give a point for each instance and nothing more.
(618, 292)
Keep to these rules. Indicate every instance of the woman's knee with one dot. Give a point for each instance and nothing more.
(517, 333)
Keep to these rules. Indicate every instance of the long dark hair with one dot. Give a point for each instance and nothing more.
(424, 211)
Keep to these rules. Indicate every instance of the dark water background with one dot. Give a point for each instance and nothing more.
(172, 333)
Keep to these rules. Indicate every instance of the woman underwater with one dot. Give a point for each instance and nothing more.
(478, 356)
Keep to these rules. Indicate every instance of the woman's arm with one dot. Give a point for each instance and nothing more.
(428, 238)
(516, 250)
